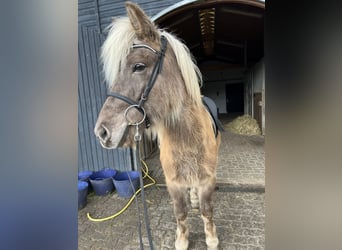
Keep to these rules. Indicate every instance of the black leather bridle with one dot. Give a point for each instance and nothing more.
(139, 106)
(156, 70)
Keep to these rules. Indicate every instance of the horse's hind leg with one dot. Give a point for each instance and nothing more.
(206, 206)
(194, 198)
(179, 197)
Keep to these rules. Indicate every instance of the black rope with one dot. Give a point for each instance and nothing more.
(147, 221)
(138, 210)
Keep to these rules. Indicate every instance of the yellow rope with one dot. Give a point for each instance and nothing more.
(130, 200)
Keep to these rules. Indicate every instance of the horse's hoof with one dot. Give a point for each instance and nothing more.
(212, 248)
(181, 244)
(212, 243)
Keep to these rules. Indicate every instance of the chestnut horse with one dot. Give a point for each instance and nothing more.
(154, 85)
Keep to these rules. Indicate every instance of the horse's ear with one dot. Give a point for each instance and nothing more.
(143, 26)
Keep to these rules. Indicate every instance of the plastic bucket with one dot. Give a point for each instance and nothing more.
(82, 194)
(84, 176)
(102, 181)
(123, 185)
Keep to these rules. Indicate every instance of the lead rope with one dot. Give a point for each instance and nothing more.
(137, 139)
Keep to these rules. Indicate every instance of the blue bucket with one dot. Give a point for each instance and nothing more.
(123, 185)
(102, 182)
(84, 176)
(82, 194)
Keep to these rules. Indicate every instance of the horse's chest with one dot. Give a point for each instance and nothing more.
(184, 166)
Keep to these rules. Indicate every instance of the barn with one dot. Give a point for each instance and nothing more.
(226, 37)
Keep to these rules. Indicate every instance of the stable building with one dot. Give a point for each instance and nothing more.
(226, 38)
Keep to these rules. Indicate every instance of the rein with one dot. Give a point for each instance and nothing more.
(137, 136)
(137, 139)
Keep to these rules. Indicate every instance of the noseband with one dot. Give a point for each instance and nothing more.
(156, 70)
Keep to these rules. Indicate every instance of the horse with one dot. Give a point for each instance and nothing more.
(154, 85)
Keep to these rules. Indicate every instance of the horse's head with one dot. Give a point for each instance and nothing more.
(132, 59)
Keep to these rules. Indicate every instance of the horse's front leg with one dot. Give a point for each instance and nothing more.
(179, 197)
(205, 193)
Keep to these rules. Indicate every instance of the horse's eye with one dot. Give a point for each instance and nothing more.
(138, 67)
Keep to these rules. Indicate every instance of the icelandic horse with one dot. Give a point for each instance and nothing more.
(152, 78)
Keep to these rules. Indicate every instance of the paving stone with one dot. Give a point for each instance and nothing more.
(239, 210)
(236, 227)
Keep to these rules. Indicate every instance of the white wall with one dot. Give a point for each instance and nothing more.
(255, 79)
(258, 76)
(217, 92)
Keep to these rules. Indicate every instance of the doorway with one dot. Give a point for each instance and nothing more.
(235, 98)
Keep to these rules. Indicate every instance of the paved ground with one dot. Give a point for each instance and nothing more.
(239, 206)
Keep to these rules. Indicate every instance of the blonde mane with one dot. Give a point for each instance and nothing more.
(190, 72)
(117, 46)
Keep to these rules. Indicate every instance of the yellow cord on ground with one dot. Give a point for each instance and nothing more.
(130, 200)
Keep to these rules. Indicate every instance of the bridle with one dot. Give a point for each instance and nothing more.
(137, 136)
(156, 70)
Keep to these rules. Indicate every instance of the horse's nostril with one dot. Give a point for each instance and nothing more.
(103, 133)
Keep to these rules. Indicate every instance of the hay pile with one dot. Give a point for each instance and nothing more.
(244, 125)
